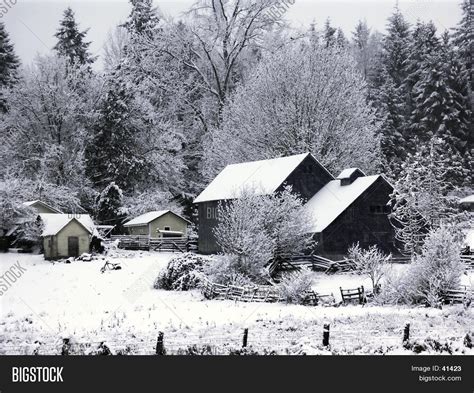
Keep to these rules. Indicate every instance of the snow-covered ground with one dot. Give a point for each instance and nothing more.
(51, 301)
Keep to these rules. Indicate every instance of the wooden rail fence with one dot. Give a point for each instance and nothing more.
(168, 244)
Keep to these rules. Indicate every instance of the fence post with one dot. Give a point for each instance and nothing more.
(406, 333)
(160, 346)
(326, 335)
(245, 339)
(66, 347)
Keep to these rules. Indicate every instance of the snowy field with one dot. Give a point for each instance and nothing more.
(52, 301)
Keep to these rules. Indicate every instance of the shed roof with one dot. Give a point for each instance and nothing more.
(264, 177)
(468, 199)
(54, 223)
(146, 218)
(37, 201)
(333, 199)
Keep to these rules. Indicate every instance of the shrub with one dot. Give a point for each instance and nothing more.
(182, 273)
(371, 262)
(224, 270)
(436, 270)
(294, 287)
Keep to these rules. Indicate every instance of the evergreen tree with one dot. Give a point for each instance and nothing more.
(109, 205)
(396, 47)
(442, 110)
(9, 64)
(390, 99)
(71, 42)
(143, 19)
(463, 40)
(341, 39)
(360, 39)
(114, 153)
(329, 34)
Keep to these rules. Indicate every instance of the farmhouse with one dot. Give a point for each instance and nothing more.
(157, 224)
(349, 209)
(66, 235)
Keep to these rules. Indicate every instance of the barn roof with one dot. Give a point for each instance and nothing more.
(264, 177)
(37, 201)
(333, 199)
(146, 218)
(54, 223)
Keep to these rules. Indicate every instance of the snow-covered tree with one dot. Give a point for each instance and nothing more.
(9, 64)
(463, 37)
(442, 109)
(437, 269)
(256, 229)
(422, 199)
(329, 34)
(47, 121)
(71, 41)
(143, 19)
(300, 99)
(109, 206)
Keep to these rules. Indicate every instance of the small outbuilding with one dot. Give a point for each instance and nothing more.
(158, 224)
(66, 235)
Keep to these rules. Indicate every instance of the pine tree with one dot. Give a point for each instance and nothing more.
(442, 110)
(360, 39)
(143, 19)
(9, 64)
(71, 42)
(463, 38)
(391, 96)
(109, 205)
(114, 153)
(329, 34)
(423, 43)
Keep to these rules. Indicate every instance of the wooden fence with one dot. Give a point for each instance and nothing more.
(463, 295)
(268, 294)
(311, 261)
(168, 244)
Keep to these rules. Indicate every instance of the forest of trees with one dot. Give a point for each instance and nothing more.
(177, 100)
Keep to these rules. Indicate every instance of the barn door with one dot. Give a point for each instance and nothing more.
(73, 246)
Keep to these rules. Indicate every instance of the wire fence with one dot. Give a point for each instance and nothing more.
(243, 342)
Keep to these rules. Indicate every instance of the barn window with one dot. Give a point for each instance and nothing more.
(167, 229)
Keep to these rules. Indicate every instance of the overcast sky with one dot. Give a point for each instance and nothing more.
(32, 23)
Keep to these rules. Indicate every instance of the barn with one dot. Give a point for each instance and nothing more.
(302, 172)
(351, 209)
(66, 235)
(345, 210)
(156, 224)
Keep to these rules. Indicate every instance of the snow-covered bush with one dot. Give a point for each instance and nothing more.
(294, 287)
(182, 273)
(371, 262)
(225, 270)
(439, 268)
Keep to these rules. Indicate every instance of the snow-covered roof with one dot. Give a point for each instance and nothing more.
(262, 177)
(53, 223)
(468, 199)
(37, 201)
(347, 173)
(146, 218)
(333, 199)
